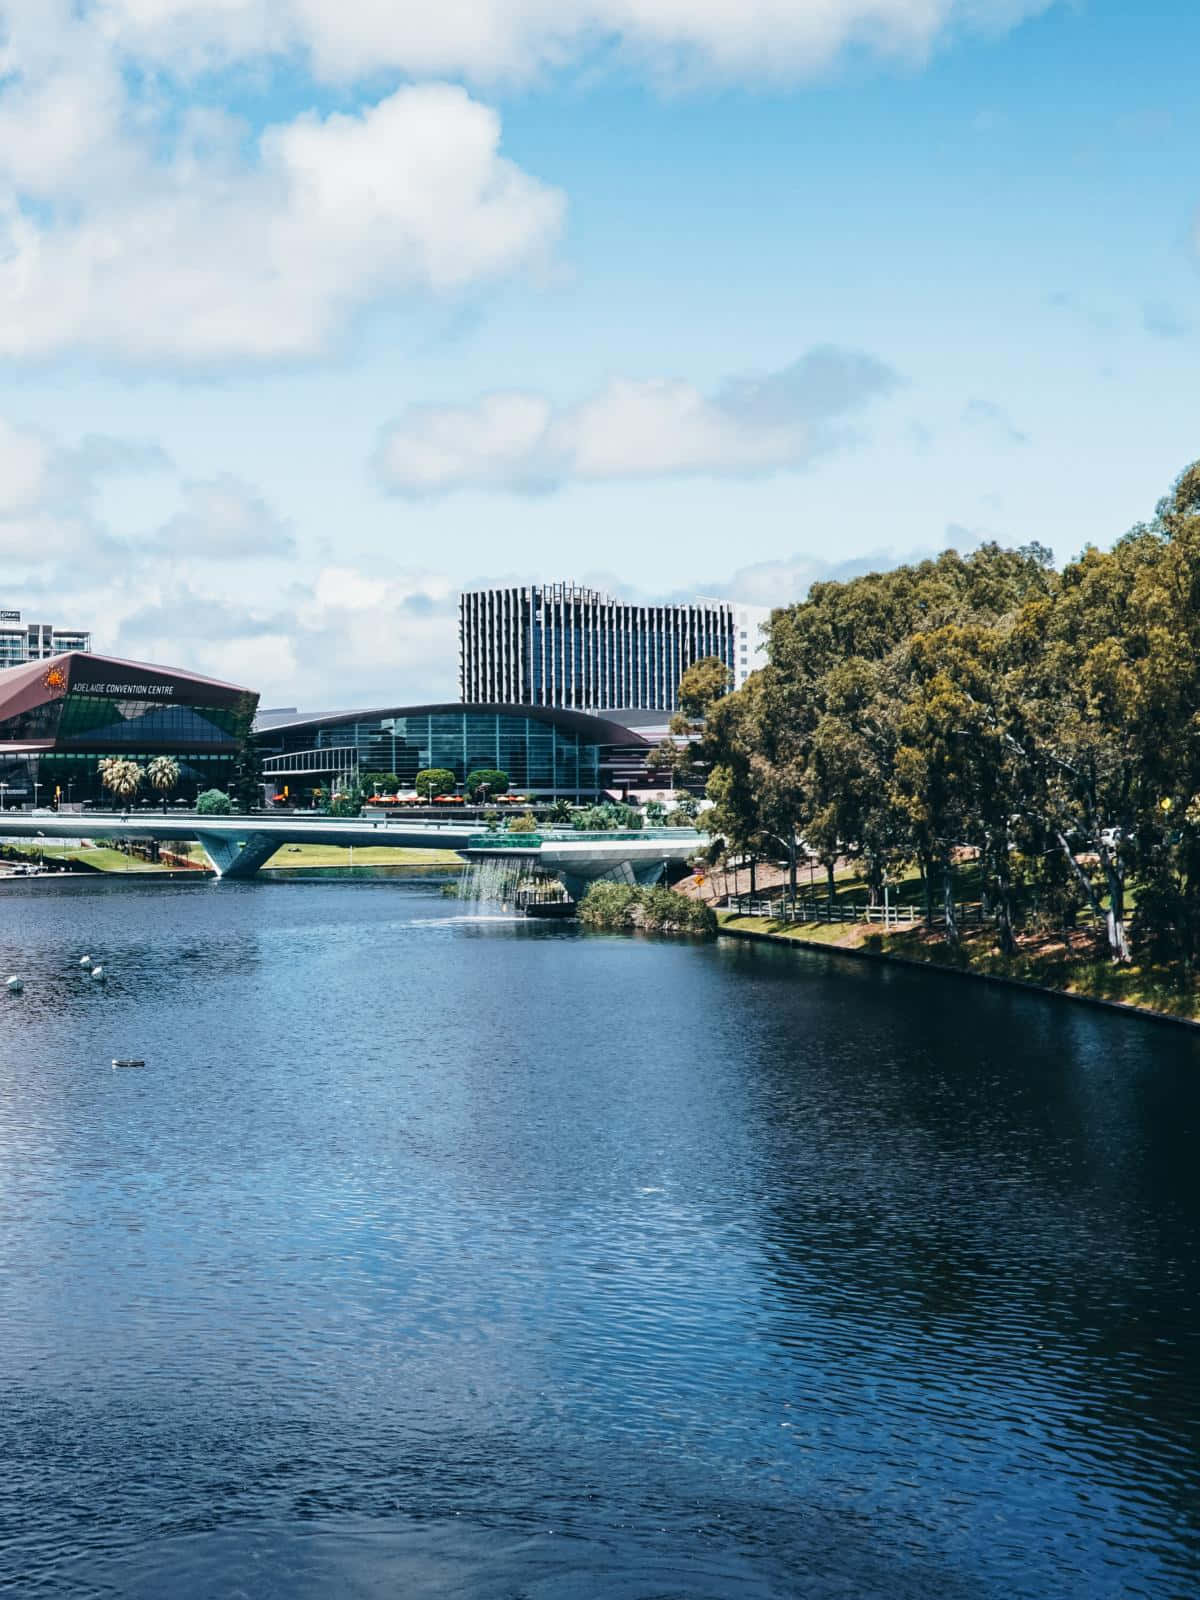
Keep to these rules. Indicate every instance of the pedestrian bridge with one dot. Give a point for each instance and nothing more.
(238, 846)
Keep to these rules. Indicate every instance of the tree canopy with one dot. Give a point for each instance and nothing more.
(435, 780)
(489, 779)
(1043, 723)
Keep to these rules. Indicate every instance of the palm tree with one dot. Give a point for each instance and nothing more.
(123, 778)
(163, 773)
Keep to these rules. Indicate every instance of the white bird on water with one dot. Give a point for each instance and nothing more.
(14, 984)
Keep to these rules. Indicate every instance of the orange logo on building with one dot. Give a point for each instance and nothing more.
(55, 680)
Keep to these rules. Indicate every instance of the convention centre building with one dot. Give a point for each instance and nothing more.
(59, 718)
(546, 752)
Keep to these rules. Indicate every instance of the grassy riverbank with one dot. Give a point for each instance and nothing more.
(101, 858)
(309, 856)
(1078, 967)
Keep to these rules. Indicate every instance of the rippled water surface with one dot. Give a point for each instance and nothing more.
(437, 1256)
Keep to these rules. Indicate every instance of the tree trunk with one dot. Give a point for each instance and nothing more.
(1004, 928)
(753, 876)
(792, 864)
(1115, 918)
(829, 870)
(874, 879)
(1115, 924)
(948, 900)
(925, 865)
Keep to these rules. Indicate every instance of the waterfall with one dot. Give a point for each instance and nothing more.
(495, 879)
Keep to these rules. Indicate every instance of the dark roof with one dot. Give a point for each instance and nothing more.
(595, 729)
(36, 682)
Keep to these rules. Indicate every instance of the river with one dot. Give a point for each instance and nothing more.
(431, 1255)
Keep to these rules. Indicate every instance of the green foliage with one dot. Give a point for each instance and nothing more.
(984, 707)
(347, 802)
(163, 773)
(378, 783)
(526, 823)
(120, 777)
(214, 803)
(655, 813)
(246, 785)
(490, 779)
(433, 781)
(620, 905)
(607, 816)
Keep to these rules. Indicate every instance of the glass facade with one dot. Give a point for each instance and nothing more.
(548, 754)
(58, 722)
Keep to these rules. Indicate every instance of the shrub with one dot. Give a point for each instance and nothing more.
(621, 905)
(489, 778)
(214, 803)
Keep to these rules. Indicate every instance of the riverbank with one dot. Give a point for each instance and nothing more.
(1073, 969)
(310, 856)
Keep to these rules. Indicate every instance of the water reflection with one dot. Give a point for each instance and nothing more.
(433, 1256)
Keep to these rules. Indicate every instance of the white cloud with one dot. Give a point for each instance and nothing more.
(24, 464)
(486, 39)
(223, 519)
(633, 428)
(130, 226)
(347, 638)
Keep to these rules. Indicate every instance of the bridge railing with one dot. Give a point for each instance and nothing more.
(504, 841)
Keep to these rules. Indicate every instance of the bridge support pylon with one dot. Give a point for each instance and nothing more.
(232, 857)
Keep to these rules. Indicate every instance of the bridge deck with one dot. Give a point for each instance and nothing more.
(239, 845)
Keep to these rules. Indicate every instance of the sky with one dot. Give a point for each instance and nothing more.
(313, 312)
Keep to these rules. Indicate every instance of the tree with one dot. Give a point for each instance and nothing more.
(120, 777)
(435, 780)
(246, 784)
(683, 754)
(214, 803)
(163, 773)
(378, 783)
(346, 802)
(489, 779)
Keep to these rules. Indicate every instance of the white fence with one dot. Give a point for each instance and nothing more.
(783, 909)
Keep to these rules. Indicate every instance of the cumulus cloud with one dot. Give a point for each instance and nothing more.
(349, 637)
(141, 220)
(133, 226)
(633, 428)
(487, 39)
(223, 519)
(24, 464)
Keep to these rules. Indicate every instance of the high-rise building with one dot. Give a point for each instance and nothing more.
(563, 645)
(21, 642)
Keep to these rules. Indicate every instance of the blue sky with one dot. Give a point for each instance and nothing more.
(310, 315)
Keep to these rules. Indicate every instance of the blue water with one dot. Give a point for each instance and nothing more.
(446, 1257)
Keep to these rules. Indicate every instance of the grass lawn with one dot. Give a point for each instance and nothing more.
(337, 855)
(1078, 967)
(103, 857)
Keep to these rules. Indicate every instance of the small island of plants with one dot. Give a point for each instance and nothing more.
(621, 905)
